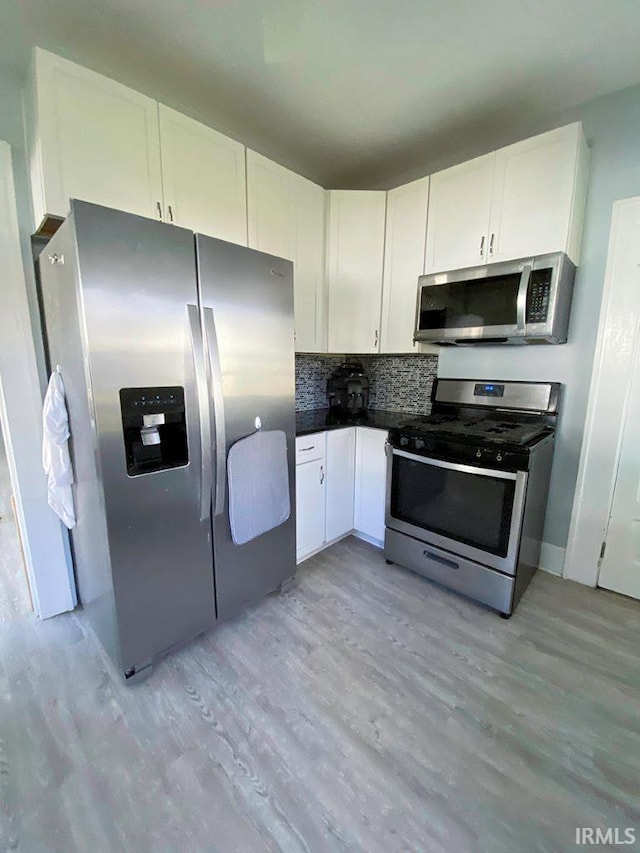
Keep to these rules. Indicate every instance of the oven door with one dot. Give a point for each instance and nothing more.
(473, 512)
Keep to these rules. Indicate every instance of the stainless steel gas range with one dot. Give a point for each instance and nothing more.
(467, 487)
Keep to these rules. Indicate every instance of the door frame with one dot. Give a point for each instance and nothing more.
(45, 542)
(616, 349)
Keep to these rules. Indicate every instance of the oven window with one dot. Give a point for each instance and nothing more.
(466, 507)
(465, 304)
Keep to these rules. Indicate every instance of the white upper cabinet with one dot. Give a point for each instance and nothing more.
(269, 207)
(525, 199)
(354, 262)
(404, 250)
(90, 138)
(539, 191)
(94, 139)
(203, 177)
(286, 218)
(310, 294)
(459, 209)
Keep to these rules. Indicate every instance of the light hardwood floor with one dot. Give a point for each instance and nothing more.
(364, 710)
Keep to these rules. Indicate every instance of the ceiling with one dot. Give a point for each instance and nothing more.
(351, 93)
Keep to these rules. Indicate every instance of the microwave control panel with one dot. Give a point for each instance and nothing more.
(538, 295)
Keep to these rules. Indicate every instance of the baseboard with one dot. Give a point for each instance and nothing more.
(552, 559)
(379, 543)
(300, 558)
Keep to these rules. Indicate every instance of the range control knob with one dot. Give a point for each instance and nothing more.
(478, 453)
(418, 444)
(404, 440)
(498, 457)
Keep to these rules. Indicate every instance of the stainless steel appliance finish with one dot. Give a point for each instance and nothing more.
(253, 377)
(526, 301)
(141, 322)
(466, 488)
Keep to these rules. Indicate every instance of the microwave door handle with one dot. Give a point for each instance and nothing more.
(521, 301)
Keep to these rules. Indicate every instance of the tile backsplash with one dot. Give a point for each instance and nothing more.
(397, 382)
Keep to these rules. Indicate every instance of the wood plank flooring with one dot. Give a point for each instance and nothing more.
(364, 710)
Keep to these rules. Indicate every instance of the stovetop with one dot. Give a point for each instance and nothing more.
(492, 429)
(486, 423)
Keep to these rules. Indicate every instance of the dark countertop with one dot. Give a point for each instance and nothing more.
(318, 420)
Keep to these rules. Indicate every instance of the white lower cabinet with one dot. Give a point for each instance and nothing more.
(310, 495)
(370, 484)
(341, 461)
(341, 480)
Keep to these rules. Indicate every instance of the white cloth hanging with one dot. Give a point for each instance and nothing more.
(55, 451)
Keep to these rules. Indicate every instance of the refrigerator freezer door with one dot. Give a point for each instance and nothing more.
(247, 301)
(137, 278)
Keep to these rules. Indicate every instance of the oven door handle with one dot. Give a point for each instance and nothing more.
(450, 564)
(456, 466)
(521, 299)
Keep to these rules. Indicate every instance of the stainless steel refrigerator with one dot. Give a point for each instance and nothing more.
(172, 347)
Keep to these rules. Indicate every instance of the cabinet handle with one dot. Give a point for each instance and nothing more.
(375, 342)
(159, 207)
(170, 213)
(321, 474)
(491, 245)
(482, 247)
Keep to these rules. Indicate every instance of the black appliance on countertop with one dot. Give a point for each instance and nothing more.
(467, 487)
(348, 390)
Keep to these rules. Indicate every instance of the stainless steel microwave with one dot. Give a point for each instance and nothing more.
(516, 302)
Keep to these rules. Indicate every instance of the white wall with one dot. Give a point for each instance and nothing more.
(612, 128)
(44, 541)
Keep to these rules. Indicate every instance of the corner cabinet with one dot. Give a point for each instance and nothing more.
(355, 250)
(404, 250)
(525, 199)
(370, 484)
(341, 478)
(286, 217)
(89, 138)
(341, 460)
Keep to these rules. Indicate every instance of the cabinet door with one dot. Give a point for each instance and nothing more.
(203, 175)
(459, 209)
(95, 140)
(269, 207)
(310, 504)
(287, 218)
(371, 481)
(404, 250)
(533, 195)
(341, 460)
(307, 203)
(355, 254)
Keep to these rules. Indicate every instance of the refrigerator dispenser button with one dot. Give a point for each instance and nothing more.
(153, 420)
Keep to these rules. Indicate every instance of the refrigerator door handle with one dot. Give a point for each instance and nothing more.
(218, 410)
(197, 349)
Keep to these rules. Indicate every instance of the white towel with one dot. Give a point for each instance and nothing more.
(55, 451)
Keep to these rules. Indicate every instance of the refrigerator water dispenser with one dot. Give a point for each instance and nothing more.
(154, 429)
